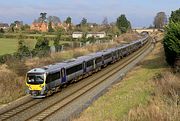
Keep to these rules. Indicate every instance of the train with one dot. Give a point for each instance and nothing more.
(44, 81)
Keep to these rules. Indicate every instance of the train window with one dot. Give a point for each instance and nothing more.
(99, 59)
(74, 69)
(52, 77)
(107, 56)
(90, 63)
(114, 53)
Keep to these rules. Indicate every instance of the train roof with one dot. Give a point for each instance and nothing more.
(84, 58)
(37, 70)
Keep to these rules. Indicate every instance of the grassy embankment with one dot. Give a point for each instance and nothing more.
(9, 45)
(150, 92)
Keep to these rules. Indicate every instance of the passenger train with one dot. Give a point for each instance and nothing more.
(42, 82)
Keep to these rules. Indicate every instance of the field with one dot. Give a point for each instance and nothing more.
(9, 45)
(32, 35)
(134, 98)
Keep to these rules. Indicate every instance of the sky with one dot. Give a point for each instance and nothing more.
(139, 12)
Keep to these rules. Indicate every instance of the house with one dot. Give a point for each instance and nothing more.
(64, 26)
(4, 26)
(77, 35)
(96, 34)
(43, 26)
(40, 26)
(18, 24)
(89, 34)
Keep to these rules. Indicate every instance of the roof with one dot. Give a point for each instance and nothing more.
(96, 33)
(37, 70)
(77, 32)
(4, 25)
(84, 58)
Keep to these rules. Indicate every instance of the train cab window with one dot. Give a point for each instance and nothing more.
(35, 78)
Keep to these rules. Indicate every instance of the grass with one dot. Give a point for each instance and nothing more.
(133, 91)
(8, 46)
(33, 35)
(11, 87)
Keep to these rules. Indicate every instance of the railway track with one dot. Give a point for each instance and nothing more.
(48, 106)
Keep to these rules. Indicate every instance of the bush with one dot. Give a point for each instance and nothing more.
(1, 35)
(172, 42)
(42, 47)
(23, 50)
(6, 57)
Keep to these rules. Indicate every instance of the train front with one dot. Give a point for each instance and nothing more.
(35, 81)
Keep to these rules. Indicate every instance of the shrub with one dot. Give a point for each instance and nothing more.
(1, 35)
(172, 42)
(42, 47)
(23, 49)
(6, 57)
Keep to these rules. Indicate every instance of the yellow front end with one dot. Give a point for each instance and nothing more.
(36, 89)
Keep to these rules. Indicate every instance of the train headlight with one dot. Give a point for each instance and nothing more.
(30, 87)
(41, 86)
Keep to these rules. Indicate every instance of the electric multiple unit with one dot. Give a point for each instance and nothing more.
(42, 82)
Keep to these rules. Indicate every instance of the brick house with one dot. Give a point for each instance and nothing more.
(43, 27)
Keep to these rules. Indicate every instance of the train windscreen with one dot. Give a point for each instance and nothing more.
(35, 78)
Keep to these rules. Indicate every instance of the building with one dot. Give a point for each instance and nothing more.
(4, 26)
(40, 26)
(18, 24)
(77, 35)
(96, 34)
(89, 34)
(43, 26)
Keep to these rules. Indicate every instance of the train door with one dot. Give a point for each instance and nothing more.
(103, 60)
(63, 75)
(94, 63)
(84, 67)
(112, 56)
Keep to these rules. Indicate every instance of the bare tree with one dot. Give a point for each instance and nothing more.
(160, 20)
(105, 21)
(53, 19)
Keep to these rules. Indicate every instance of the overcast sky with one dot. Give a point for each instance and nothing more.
(139, 12)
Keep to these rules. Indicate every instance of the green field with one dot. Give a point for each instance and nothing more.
(32, 35)
(8, 45)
